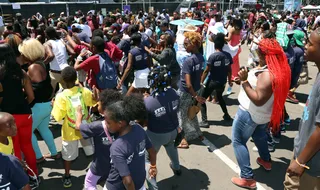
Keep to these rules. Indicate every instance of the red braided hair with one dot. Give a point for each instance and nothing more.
(280, 74)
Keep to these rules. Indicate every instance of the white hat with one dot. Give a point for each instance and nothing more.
(217, 28)
(189, 28)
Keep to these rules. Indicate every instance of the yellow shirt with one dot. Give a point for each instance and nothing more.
(60, 107)
(7, 149)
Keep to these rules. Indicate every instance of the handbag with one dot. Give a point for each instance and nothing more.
(195, 107)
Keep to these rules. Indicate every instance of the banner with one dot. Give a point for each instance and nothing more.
(126, 9)
(292, 5)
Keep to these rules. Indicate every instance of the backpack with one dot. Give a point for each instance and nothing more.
(73, 102)
(107, 77)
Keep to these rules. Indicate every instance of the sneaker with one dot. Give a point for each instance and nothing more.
(204, 124)
(227, 117)
(287, 121)
(292, 99)
(229, 90)
(275, 140)
(265, 164)
(67, 181)
(176, 172)
(34, 182)
(270, 148)
(244, 183)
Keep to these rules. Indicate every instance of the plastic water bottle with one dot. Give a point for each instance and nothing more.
(229, 90)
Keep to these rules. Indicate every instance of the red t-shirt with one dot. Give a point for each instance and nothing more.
(113, 51)
(92, 67)
(79, 48)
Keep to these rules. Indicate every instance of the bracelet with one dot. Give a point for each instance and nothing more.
(302, 165)
(153, 166)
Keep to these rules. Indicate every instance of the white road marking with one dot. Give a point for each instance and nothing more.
(225, 159)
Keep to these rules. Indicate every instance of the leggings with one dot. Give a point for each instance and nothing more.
(210, 87)
(91, 180)
(22, 141)
(41, 117)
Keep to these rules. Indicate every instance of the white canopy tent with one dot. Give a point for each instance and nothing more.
(310, 7)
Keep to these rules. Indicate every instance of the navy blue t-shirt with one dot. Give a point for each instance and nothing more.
(125, 46)
(299, 55)
(192, 66)
(290, 56)
(145, 39)
(128, 158)
(100, 165)
(12, 175)
(139, 58)
(220, 66)
(163, 112)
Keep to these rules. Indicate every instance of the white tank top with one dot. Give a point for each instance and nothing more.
(259, 114)
(60, 55)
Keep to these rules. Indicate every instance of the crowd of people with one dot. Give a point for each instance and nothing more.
(106, 78)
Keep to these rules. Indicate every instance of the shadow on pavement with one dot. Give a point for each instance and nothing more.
(221, 123)
(230, 101)
(273, 179)
(56, 183)
(294, 125)
(286, 143)
(81, 163)
(218, 140)
(301, 97)
(190, 179)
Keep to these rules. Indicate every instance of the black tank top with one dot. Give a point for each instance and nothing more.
(42, 90)
(14, 100)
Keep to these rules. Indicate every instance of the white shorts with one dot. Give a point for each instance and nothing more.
(141, 78)
(70, 149)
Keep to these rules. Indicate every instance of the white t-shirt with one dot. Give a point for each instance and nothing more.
(149, 32)
(86, 29)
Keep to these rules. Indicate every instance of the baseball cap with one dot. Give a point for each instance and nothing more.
(124, 26)
(299, 37)
(18, 15)
(77, 26)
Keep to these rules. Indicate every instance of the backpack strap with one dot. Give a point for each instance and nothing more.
(106, 131)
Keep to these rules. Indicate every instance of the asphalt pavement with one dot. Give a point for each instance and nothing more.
(202, 168)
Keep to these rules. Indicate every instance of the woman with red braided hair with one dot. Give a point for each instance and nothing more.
(262, 97)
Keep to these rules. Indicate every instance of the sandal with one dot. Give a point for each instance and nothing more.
(54, 157)
(184, 144)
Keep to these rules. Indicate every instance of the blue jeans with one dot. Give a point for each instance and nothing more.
(41, 117)
(242, 129)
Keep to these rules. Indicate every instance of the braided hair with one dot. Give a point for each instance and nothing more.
(159, 80)
(280, 74)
